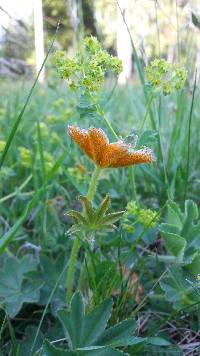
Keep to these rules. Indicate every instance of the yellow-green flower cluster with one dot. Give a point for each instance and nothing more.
(44, 129)
(165, 76)
(134, 215)
(63, 117)
(48, 161)
(87, 69)
(75, 173)
(27, 161)
(58, 104)
(25, 157)
(147, 217)
(2, 145)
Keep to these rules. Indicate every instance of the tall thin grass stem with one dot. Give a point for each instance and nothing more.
(19, 117)
(189, 136)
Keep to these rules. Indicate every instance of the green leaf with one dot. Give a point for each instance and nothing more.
(175, 243)
(194, 267)
(73, 320)
(15, 287)
(117, 334)
(171, 350)
(177, 289)
(77, 216)
(95, 322)
(103, 207)
(147, 138)
(190, 230)
(175, 216)
(100, 351)
(50, 350)
(51, 270)
(158, 341)
(87, 205)
(168, 228)
(111, 218)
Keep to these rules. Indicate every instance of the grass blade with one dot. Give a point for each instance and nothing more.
(19, 118)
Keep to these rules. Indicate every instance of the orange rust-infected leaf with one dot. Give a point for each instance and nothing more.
(95, 144)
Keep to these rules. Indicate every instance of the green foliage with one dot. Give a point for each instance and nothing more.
(16, 286)
(87, 334)
(127, 264)
(179, 290)
(181, 235)
(93, 220)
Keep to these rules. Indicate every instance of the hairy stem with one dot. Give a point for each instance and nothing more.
(75, 248)
(93, 183)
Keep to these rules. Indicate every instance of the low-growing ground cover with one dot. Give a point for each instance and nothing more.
(71, 282)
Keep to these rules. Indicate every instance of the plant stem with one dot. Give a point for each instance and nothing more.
(146, 115)
(132, 182)
(70, 272)
(93, 183)
(75, 248)
(101, 112)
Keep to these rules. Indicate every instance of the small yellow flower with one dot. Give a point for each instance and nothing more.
(95, 144)
(198, 277)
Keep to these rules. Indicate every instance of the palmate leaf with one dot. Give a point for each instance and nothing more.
(190, 230)
(111, 218)
(83, 330)
(118, 334)
(51, 270)
(15, 287)
(147, 138)
(73, 321)
(93, 220)
(100, 351)
(175, 244)
(96, 322)
(50, 350)
(77, 216)
(103, 207)
(182, 234)
(87, 205)
(87, 332)
(175, 215)
(178, 290)
(194, 267)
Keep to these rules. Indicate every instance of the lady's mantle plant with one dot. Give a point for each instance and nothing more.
(85, 74)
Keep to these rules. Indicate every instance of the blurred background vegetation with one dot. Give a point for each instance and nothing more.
(167, 28)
